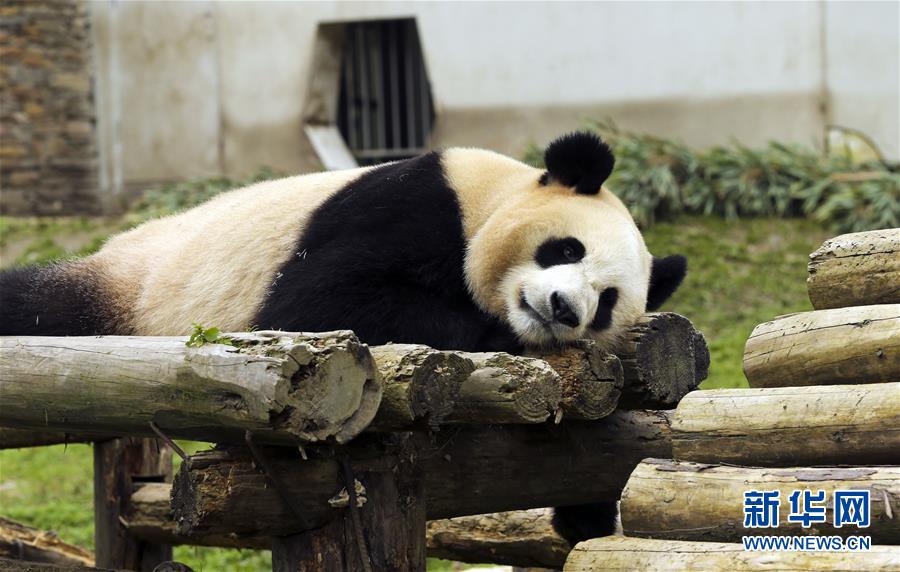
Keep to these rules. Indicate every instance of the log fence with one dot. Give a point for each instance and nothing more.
(337, 456)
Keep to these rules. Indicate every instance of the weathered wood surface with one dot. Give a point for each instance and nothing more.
(466, 470)
(12, 438)
(385, 533)
(21, 542)
(284, 387)
(118, 464)
(13, 565)
(663, 357)
(421, 385)
(790, 426)
(149, 517)
(694, 501)
(623, 553)
(517, 538)
(840, 346)
(523, 538)
(591, 380)
(856, 269)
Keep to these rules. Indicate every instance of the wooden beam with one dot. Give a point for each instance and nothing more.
(387, 532)
(12, 438)
(856, 269)
(284, 387)
(790, 426)
(13, 565)
(522, 538)
(664, 358)
(467, 470)
(591, 380)
(694, 501)
(623, 553)
(22, 542)
(118, 465)
(840, 346)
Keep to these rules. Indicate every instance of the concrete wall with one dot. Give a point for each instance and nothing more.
(189, 89)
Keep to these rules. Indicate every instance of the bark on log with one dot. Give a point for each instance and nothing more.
(21, 542)
(507, 389)
(467, 470)
(523, 538)
(664, 358)
(11, 438)
(591, 380)
(284, 387)
(856, 269)
(118, 464)
(387, 533)
(623, 553)
(420, 384)
(790, 426)
(694, 501)
(844, 345)
(11, 565)
(515, 538)
(149, 517)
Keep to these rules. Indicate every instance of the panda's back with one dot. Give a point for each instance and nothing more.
(212, 264)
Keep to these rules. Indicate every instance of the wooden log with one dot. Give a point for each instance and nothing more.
(523, 538)
(386, 533)
(694, 501)
(591, 380)
(21, 542)
(507, 389)
(149, 517)
(13, 565)
(421, 384)
(663, 358)
(11, 438)
(516, 538)
(840, 346)
(118, 464)
(467, 470)
(624, 553)
(284, 387)
(856, 269)
(790, 426)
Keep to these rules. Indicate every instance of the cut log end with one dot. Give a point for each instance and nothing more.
(664, 358)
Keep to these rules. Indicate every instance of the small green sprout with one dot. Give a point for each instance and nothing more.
(202, 336)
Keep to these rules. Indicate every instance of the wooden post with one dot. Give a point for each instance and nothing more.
(387, 532)
(118, 465)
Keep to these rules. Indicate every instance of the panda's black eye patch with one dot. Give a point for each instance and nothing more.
(603, 317)
(559, 251)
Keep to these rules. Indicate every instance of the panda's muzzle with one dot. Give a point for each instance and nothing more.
(562, 312)
(534, 314)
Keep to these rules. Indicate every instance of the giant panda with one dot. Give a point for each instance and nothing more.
(461, 249)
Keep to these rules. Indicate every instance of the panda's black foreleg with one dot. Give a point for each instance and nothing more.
(585, 521)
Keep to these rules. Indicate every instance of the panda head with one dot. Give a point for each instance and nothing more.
(562, 259)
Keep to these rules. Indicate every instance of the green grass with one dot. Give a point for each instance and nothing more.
(742, 272)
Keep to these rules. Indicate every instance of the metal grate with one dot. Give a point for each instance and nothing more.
(385, 110)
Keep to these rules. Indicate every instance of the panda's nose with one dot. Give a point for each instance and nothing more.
(562, 312)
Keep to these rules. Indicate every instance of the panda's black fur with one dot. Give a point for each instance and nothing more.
(384, 255)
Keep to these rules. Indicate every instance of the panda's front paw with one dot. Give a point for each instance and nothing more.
(500, 338)
(585, 521)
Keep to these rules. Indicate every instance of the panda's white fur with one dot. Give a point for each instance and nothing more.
(213, 264)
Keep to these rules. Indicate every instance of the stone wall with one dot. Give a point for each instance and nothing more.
(48, 150)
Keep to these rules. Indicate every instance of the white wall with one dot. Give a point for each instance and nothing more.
(863, 69)
(219, 86)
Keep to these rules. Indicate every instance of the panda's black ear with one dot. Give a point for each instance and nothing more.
(580, 160)
(665, 277)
